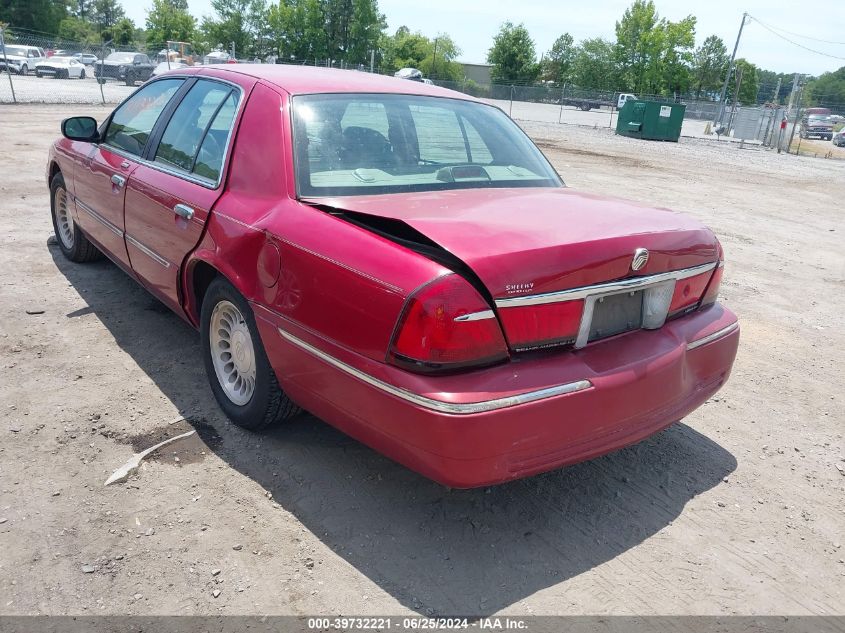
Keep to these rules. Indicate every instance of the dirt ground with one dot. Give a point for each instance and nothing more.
(740, 508)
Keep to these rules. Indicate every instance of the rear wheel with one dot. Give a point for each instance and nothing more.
(38, 74)
(75, 246)
(82, 74)
(238, 370)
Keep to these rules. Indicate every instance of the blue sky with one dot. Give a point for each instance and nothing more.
(472, 24)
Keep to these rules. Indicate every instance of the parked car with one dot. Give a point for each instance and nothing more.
(127, 67)
(20, 59)
(86, 58)
(839, 139)
(163, 67)
(400, 260)
(817, 125)
(60, 68)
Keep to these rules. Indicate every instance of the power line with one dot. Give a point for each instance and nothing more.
(805, 37)
(783, 37)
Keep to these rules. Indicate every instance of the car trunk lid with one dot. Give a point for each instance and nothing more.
(524, 242)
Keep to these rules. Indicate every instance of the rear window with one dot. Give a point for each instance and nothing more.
(356, 144)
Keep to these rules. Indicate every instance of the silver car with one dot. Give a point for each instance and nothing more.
(20, 59)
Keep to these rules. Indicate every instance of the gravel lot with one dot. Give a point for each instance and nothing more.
(32, 89)
(739, 508)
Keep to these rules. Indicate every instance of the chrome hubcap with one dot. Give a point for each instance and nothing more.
(232, 352)
(64, 223)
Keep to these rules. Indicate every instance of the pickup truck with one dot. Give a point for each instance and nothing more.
(820, 125)
(586, 103)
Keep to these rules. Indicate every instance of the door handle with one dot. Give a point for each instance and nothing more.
(183, 211)
(118, 180)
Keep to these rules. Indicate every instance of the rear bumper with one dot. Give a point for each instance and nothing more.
(508, 422)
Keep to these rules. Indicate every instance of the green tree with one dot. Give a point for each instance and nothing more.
(709, 65)
(123, 33)
(750, 83)
(39, 15)
(168, 21)
(296, 29)
(76, 29)
(828, 90)
(242, 22)
(513, 55)
(594, 65)
(364, 31)
(639, 48)
(677, 57)
(440, 63)
(104, 15)
(557, 64)
(435, 58)
(654, 55)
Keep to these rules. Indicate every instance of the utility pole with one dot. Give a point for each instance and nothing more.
(730, 70)
(777, 92)
(797, 117)
(792, 94)
(434, 61)
(6, 62)
(736, 99)
(233, 51)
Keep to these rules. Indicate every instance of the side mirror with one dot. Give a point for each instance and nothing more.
(81, 128)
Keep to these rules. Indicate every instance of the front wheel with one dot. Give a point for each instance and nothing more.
(130, 79)
(75, 246)
(24, 70)
(242, 380)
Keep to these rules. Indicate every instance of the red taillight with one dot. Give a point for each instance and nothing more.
(530, 327)
(688, 291)
(712, 291)
(447, 325)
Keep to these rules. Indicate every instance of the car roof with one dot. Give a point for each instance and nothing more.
(298, 80)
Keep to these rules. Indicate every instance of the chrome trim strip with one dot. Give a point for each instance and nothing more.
(438, 405)
(712, 337)
(605, 288)
(476, 316)
(114, 229)
(147, 251)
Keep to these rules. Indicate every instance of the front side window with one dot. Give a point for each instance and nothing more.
(195, 138)
(356, 144)
(132, 122)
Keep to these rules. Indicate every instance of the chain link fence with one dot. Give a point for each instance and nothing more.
(32, 75)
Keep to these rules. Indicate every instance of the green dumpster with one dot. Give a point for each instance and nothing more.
(651, 120)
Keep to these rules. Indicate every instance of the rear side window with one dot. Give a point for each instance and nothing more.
(194, 140)
(133, 121)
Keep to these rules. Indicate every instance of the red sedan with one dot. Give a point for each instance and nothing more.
(400, 260)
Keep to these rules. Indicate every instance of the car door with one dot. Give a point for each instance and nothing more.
(100, 179)
(170, 195)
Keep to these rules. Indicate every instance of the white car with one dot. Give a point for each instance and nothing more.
(20, 59)
(163, 67)
(60, 68)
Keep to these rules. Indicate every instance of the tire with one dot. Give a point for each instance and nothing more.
(73, 243)
(38, 74)
(24, 70)
(130, 78)
(82, 74)
(64, 74)
(265, 403)
(585, 107)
